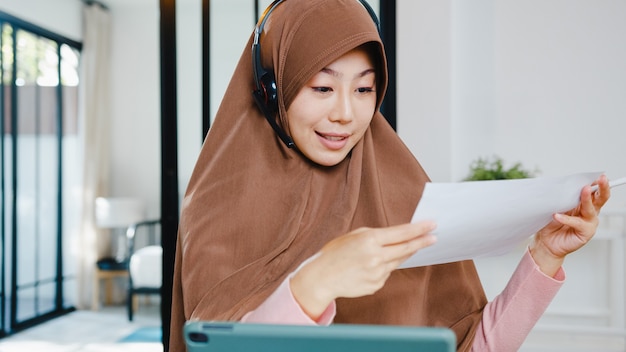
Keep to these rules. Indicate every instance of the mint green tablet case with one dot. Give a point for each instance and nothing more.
(240, 337)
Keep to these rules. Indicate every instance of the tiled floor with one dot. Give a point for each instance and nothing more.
(87, 331)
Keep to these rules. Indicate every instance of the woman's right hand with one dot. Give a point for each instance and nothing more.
(357, 264)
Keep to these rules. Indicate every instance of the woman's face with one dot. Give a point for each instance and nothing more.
(334, 108)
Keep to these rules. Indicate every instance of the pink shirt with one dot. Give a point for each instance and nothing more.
(505, 323)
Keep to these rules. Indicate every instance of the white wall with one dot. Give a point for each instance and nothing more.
(540, 82)
(135, 103)
(560, 85)
(424, 87)
(189, 78)
(537, 82)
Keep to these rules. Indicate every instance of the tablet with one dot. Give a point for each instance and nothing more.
(204, 336)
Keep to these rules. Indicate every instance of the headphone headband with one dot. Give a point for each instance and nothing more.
(256, 44)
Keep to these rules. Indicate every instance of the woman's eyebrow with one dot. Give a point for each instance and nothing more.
(366, 72)
(334, 73)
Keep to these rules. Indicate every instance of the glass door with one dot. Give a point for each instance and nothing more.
(38, 99)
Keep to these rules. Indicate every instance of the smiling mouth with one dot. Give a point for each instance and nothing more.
(333, 137)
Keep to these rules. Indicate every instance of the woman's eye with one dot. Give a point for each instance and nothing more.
(322, 89)
(365, 90)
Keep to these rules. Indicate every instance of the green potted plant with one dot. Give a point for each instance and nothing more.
(494, 169)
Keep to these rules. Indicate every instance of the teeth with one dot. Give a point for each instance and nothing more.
(334, 138)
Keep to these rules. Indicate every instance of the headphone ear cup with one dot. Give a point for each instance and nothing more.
(267, 82)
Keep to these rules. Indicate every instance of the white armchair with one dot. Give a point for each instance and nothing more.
(144, 265)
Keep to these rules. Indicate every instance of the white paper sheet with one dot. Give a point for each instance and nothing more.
(488, 218)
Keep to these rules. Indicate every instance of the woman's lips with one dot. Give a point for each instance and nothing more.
(333, 141)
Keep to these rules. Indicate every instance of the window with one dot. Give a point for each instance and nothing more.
(39, 168)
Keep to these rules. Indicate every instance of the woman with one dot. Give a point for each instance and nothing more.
(306, 221)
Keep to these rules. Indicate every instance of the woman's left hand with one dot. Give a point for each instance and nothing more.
(570, 231)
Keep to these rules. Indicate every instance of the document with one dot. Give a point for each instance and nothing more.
(488, 218)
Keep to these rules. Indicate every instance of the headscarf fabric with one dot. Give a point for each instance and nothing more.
(254, 209)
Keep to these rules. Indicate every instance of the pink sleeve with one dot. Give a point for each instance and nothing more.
(282, 308)
(508, 319)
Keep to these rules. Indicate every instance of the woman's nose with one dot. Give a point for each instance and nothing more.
(343, 111)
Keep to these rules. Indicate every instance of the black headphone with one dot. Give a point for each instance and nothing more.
(266, 92)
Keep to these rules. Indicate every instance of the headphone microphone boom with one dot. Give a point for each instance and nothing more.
(266, 92)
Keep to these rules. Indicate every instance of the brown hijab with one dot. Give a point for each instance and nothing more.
(254, 210)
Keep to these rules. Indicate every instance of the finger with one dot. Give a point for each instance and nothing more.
(603, 193)
(587, 207)
(576, 223)
(396, 254)
(394, 264)
(598, 196)
(402, 233)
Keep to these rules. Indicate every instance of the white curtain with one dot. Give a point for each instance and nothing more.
(94, 129)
